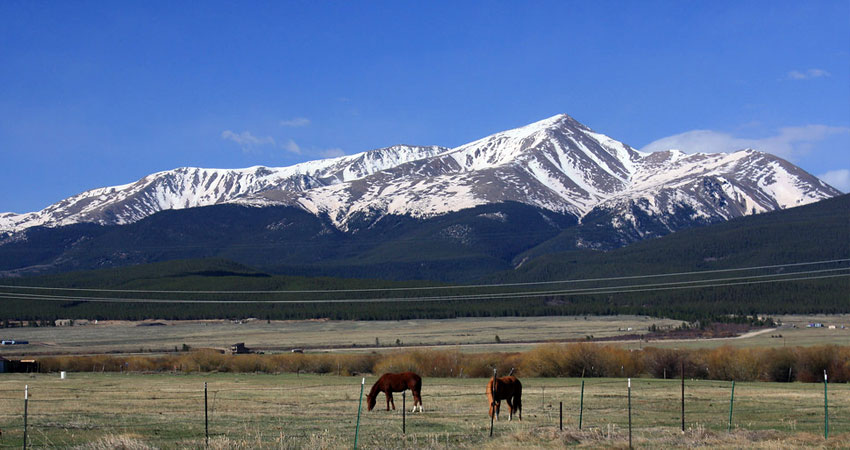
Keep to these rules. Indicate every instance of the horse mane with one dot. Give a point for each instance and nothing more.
(375, 388)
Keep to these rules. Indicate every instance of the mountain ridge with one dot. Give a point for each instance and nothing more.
(557, 164)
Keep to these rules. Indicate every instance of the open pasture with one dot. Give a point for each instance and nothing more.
(281, 336)
(289, 411)
(467, 334)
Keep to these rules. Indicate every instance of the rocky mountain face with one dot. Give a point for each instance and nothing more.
(556, 164)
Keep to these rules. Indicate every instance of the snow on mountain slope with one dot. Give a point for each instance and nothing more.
(556, 163)
(190, 187)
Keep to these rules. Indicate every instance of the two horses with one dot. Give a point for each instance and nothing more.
(505, 388)
(396, 382)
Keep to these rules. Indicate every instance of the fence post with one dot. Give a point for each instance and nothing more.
(683, 396)
(581, 405)
(561, 415)
(26, 402)
(825, 409)
(543, 401)
(206, 418)
(731, 403)
(630, 413)
(359, 406)
(404, 412)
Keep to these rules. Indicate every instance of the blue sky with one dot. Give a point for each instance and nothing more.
(96, 94)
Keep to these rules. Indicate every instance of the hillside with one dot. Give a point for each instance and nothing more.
(817, 232)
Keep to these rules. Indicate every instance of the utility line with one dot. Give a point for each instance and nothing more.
(523, 293)
(532, 294)
(420, 288)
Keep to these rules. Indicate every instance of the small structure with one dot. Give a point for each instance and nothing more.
(239, 349)
(18, 365)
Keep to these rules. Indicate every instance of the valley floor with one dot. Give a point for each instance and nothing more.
(467, 334)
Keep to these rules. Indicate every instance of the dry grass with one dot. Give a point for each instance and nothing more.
(95, 411)
(476, 334)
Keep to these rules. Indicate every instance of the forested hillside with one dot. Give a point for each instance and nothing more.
(779, 250)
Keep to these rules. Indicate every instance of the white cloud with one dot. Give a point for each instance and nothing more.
(808, 74)
(296, 122)
(291, 146)
(332, 153)
(246, 140)
(788, 143)
(839, 179)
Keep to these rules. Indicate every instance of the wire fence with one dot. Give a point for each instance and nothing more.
(309, 411)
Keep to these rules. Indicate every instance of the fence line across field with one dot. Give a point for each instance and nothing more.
(633, 404)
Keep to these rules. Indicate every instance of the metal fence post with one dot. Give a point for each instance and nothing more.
(683, 396)
(561, 415)
(731, 404)
(825, 409)
(404, 412)
(630, 413)
(206, 418)
(581, 405)
(26, 402)
(359, 407)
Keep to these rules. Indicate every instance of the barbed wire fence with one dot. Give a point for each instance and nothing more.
(42, 412)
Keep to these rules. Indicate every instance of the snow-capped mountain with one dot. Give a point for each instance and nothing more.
(190, 187)
(556, 164)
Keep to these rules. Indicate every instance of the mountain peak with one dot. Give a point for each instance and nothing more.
(556, 163)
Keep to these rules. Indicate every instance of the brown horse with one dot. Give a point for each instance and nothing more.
(396, 382)
(505, 388)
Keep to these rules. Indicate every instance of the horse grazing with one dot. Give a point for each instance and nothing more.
(505, 388)
(396, 382)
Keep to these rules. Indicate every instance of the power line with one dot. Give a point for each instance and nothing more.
(439, 287)
(528, 294)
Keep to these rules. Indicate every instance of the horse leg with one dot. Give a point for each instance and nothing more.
(510, 409)
(498, 408)
(416, 399)
(390, 395)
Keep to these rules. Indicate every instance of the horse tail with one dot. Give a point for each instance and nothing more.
(518, 398)
(417, 391)
(417, 383)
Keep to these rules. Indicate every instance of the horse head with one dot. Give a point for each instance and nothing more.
(370, 401)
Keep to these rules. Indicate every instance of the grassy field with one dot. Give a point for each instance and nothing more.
(472, 334)
(288, 411)
(793, 332)
(281, 336)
